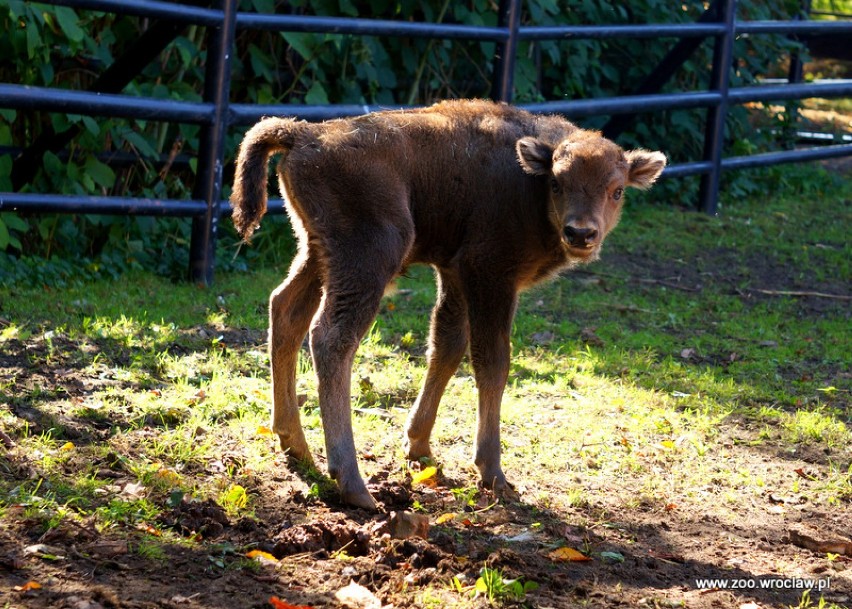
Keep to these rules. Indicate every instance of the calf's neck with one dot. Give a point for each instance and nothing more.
(494, 198)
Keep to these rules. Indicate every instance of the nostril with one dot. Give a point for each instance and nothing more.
(580, 237)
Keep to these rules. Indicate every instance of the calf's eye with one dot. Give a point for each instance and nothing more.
(554, 185)
(617, 193)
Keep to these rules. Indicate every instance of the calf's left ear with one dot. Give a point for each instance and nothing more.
(644, 167)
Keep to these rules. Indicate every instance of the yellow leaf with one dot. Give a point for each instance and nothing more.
(566, 554)
(262, 430)
(168, 475)
(67, 446)
(421, 477)
(261, 555)
(445, 518)
(667, 444)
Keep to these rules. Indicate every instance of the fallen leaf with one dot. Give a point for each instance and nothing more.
(107, 548)
(263, 430)
(426, 474)
(45, 551)
(263, 556)
(30, 585)
(357, 596)
(180, 599)
(522, 537)
(779, 499)
(566, 554)
(666, 556)
(168, 475)
(834, 546)
(445, 517)
(5, 440)
(133, 490)
(279, 604)
(612, 556)
(67, 446)
(800, 471)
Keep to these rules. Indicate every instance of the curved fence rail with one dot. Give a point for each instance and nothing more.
(216, 115)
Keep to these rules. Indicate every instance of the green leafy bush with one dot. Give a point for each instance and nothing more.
(57, 46)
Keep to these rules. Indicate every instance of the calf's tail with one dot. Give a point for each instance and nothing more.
(248, 199)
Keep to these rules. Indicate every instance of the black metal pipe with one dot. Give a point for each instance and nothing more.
(211, 158)
(576, 108)
(787, 156)
(651, 30)
(368, 27)
(156, 9)
(248, 114)
(76, 204)
(793, 27)
(833, 88)
(22, 97)
(123, 106)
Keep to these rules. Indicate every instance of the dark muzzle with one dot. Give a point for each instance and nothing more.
(580, 237)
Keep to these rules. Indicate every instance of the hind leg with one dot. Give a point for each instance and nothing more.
(292, 305)
(357, 274)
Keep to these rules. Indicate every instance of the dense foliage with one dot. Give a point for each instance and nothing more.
(56, 46)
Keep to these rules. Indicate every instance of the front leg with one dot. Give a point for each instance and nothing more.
(491, 308)
(447, 345)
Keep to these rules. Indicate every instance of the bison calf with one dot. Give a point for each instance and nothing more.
(494, 198)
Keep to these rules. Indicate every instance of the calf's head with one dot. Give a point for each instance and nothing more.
(587, 175)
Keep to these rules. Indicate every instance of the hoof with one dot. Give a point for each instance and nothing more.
(362, 499)
(501, 488)
(507, 492)
(416, 451)
(297, 450)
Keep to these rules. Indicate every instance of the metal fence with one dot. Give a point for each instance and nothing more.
(215, 114)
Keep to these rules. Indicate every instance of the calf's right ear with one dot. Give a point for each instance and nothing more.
(535, 156)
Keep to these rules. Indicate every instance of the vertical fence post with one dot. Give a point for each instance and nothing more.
(504, 54)
(208, 180)
(794, 75)
(714, 133)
